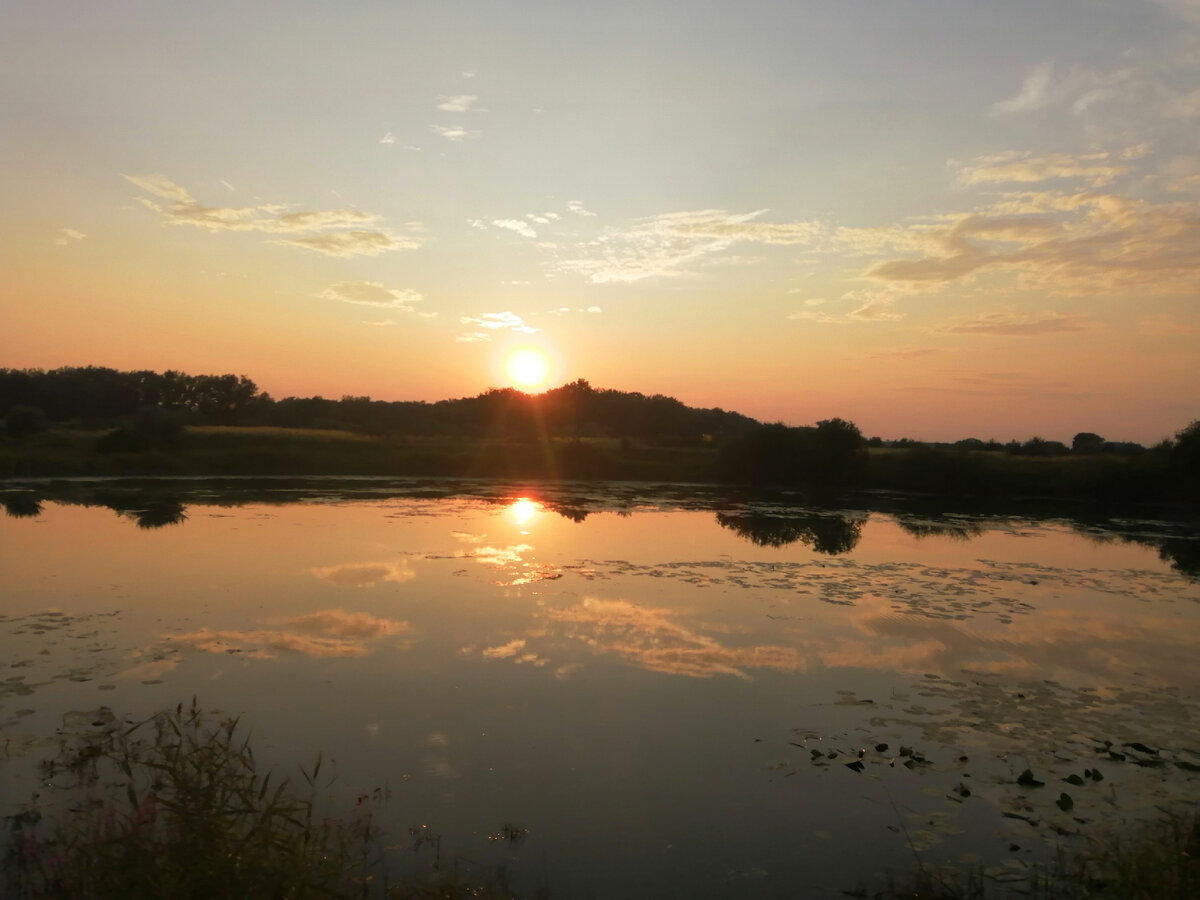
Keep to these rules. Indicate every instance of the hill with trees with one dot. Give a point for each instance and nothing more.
(100, 421)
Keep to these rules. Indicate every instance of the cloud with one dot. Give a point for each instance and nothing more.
(454, 133)
(457, 103)
(666, 246)
(330, 633)
(650, 638)
(1078, 87)
(352, 243)
(68, 236)
(474, 337)
(161, 186)
(342, 623)
(1188, 10)
(512, 648)
(1165, 326)
(522, 228)
(1067, 243)
(1013, 166)
(576, 207)
(388, 138)
(336, 232)
(1019, 324)
(873, 306)
(496, 321)
(364, 574)
(371, 293)
(906, 353)
(1183, 106)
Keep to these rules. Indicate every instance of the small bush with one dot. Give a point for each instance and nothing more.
(24, 420)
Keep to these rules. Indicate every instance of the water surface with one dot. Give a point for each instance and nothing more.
(677, 693)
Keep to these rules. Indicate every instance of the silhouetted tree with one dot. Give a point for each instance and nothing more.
(1087, 442)
(1185, 458)
(770, 454)
(838, 453)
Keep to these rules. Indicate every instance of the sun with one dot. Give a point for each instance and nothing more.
(527, 368)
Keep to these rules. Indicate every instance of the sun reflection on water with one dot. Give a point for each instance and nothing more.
(523, 512)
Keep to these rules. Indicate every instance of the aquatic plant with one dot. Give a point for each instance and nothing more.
(176, 806)
(1158, 861)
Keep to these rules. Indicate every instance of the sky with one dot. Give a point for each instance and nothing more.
(935, 219)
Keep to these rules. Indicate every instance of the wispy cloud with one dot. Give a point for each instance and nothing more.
(906, 353)
(520, 227)
(364, 574)
(1018, 324)
(457, 103)
(653, 639)
(68, 236)
(494, 322)
(1066, 243)
(326, 633)
(388, 138)
(1077, 87)
(352, 243)
(335, 232)
(1099, 169)
(873, 306)
(454, 133)
(1165, 326)
(669, 245)
(576, 206)
(371, 293)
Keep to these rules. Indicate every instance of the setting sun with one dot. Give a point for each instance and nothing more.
(527, 368)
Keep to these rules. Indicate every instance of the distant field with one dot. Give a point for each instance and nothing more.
(272, 431)
(230, 450)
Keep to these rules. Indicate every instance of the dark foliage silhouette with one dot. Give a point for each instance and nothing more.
(22, 506)
(24, 420)
(827, 533)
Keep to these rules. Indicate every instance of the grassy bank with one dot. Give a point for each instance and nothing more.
(216, 450)
(973, 475)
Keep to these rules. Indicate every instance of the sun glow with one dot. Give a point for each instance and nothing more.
(523, 511)
(527, 368)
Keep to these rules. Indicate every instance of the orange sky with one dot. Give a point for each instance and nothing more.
(938, 226)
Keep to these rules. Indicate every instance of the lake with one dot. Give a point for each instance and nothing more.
(625, 690)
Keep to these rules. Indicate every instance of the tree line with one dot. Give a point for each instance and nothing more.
(96, 397)
(149, 411)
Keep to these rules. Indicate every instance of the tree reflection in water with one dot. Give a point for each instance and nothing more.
(22, 506)
(829, 533)
(954, 530)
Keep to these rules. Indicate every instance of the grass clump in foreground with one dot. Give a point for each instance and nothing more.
(1157, 861)
(176, 807)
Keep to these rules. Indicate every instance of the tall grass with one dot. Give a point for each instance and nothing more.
(177, 807)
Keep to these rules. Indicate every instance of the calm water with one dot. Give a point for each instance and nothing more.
(664, 688)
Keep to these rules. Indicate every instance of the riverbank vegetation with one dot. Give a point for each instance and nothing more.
(100, 422)
(176, 806)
